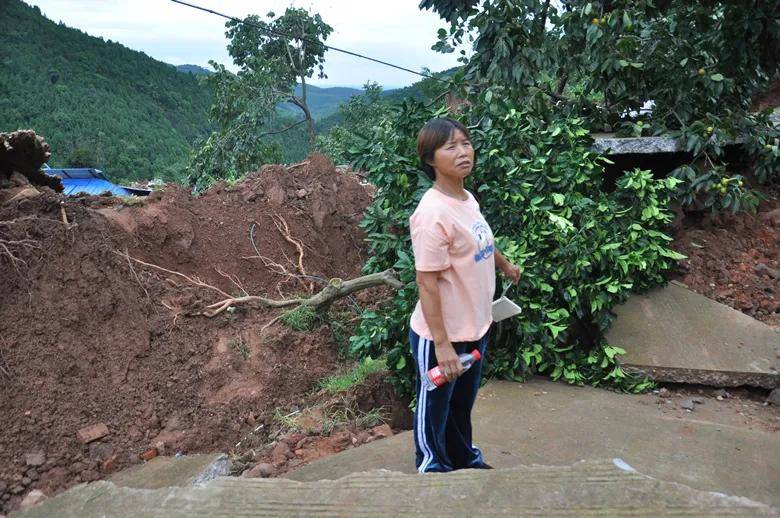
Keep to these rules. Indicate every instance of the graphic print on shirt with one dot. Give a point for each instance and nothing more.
(484, 239)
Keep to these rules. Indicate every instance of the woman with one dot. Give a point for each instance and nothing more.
(455, 259)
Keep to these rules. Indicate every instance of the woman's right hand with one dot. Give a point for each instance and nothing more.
(448, 361)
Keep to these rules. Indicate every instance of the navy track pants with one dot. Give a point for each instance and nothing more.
(442, 420)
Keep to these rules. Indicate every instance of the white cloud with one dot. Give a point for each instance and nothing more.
(397, 32)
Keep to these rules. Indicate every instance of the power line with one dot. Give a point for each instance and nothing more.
(281, 35)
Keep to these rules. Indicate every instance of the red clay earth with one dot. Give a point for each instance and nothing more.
(735, 259)
(87, 338)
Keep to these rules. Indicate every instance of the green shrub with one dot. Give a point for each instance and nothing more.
(582, 250)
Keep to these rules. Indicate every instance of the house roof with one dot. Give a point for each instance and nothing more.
(90, 181)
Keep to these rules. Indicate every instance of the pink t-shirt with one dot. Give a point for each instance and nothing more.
(452, 237)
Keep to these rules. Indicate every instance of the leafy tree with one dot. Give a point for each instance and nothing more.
(81, 157)
(284, 52)
(359, 116)
(701, 63)
(273, 57)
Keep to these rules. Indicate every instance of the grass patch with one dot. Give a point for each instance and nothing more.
(343, 382)
(301, 318)
(238, 345)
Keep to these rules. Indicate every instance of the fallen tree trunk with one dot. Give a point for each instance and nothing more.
(25, 152)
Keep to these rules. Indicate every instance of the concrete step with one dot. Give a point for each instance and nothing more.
(548, 423)
(587, 488)
(676, 335)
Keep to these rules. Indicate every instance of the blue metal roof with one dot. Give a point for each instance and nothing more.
(89, 181)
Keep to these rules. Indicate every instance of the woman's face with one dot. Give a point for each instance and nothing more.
(455, 158)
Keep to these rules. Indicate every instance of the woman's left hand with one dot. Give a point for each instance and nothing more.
(511, 271)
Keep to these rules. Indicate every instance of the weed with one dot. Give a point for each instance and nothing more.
(238, 345)
(302, 318)
(343, 382)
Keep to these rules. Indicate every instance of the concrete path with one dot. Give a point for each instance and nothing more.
(547, 423)
(604, 488)
(674, 334)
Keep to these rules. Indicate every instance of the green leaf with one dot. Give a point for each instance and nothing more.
(716, 77)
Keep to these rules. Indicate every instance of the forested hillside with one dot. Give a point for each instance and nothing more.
(96, 102)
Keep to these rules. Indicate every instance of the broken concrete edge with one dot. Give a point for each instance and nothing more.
(608, 144)
(624, 466)
(219, 468)
(703, 377)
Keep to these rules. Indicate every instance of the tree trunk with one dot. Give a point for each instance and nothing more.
(309, 121)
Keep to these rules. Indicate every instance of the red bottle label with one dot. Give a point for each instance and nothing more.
(437, 377)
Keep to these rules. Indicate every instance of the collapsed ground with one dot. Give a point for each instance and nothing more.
(91, 336)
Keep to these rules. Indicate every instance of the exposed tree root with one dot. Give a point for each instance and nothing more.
(335, 289)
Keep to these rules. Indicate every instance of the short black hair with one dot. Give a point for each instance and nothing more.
(432, 136)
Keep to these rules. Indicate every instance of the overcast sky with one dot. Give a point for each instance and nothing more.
(395, 31)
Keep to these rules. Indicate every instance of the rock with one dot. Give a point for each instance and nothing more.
(688, 404)
(663, 392)
(722, 394)
(92, 433)
(363, 437)
(149, 454)
(109, 464)
(301, 193)
(774, 397)
(261, 470)
(294, 463)
(382, 430)
(299, 452)
(276, 196)
(35, 458)
(281, 452)
(341, 439)
(33, 497)
(32, 474)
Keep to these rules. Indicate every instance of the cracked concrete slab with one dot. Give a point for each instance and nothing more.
(673, 334)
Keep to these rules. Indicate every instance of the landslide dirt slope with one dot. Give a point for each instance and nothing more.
(86, 338)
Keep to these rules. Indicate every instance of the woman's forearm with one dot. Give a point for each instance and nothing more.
(501, 261)
(430, 301)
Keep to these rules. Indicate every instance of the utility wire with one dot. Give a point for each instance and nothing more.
(286, 36)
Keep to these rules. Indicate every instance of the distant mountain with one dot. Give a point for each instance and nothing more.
(96, 102)
(194, 70)
(322, 101)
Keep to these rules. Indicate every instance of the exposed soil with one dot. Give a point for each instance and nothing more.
(735, 259)
(89, 337)
(769, 99)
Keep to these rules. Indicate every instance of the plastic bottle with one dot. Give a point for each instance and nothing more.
(434, 378)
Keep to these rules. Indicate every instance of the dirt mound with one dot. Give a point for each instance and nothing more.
(91, 337)
(735, 259)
